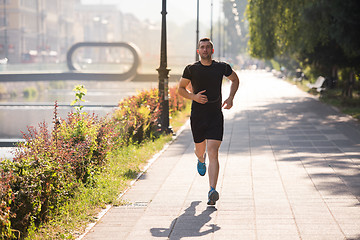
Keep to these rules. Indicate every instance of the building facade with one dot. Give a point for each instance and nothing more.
(42, 31)
(36, 30)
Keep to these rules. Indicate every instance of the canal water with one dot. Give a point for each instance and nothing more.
(17, 113)
(102, 98)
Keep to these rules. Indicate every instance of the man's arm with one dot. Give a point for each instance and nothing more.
(199, 97)
(228, 103)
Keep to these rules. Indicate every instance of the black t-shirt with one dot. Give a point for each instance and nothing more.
(207, 78)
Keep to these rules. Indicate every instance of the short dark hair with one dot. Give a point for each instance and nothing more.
(206, 40)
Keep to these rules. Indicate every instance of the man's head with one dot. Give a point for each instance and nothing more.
(205, 48)
(206, 40)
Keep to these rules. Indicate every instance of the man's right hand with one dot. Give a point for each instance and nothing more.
(200, 98)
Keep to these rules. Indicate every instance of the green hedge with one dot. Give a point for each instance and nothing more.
(49, 166)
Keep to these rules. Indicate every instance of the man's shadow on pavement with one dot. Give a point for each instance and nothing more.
(187, 224)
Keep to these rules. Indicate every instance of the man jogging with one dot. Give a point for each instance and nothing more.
(204, 80)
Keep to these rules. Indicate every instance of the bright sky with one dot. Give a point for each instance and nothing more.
(178, 11)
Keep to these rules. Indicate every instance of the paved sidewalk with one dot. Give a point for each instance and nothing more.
(289, 169)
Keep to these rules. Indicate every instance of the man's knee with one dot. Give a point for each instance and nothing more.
(200, 146)
(213, 153)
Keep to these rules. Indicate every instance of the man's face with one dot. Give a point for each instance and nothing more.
(205, 50)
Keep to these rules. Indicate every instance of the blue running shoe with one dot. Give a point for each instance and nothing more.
(213, 196)
(201, 167)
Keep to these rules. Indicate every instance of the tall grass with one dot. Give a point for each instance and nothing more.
(58, 179)
(123, 165)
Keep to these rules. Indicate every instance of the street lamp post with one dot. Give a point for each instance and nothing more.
(197, 30)
(220, 30)
(5, 31)
(211, 20)
(164, 77)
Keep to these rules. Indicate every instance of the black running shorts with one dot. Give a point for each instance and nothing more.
(207, 123)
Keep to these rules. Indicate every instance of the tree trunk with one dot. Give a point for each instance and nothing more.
(349, 85)
(334, 77)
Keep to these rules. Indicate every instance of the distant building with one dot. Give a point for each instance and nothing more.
(106, 23)
(36, 30)
(42, 31)
(100, 23)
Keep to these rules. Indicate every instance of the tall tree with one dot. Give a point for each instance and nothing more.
(322, 34)
(262, 28)
(236, 27)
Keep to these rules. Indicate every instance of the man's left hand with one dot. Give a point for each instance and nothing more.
(228, 103)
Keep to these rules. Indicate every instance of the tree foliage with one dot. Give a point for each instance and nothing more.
(322, 34)
(236, 28)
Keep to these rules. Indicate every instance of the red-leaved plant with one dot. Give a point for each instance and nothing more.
(50, 164)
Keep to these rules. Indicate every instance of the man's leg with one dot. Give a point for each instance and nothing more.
(213, 153)
(200, 149)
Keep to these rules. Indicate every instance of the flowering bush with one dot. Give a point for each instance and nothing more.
(83, 142)
(176, 102)
(40, 183)
(50, 165)
(136, 118)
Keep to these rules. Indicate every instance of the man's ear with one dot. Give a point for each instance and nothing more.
(212, 50)
(197, 50)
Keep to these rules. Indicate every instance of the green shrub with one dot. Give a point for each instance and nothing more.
(83, 141)
(6, 199)
(50, 165)
(40, 183)
(136, 118)
(30, 92)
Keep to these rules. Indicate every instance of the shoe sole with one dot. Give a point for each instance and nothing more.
(213, 197)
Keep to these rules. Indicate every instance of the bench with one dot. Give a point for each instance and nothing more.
(299, 75)
(318, 84)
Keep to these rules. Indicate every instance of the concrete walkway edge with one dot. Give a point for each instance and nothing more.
(145, 168)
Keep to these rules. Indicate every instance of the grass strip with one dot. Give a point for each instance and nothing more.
(123, 165)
